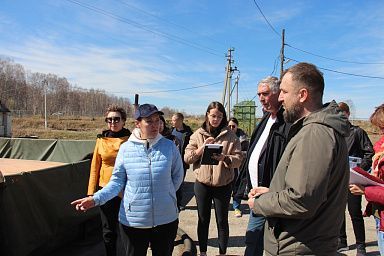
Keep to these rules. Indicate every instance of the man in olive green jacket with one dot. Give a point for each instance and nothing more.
(306, 201)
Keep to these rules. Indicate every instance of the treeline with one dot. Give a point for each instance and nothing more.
(24, 93)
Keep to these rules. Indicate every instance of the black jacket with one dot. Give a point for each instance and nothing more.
(187, 131)
(359, 145)
(269, 157)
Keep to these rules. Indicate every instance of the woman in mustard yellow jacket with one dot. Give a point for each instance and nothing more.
(103, 161)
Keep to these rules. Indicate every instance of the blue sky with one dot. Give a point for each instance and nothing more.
(173, 53)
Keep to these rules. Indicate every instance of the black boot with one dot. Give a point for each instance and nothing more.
(343, 246)
(360, 250)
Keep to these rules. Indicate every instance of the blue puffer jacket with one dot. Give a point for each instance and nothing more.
(149, 172)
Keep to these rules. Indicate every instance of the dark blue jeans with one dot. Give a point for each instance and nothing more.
(254, 238)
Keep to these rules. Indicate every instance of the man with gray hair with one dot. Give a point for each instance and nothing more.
(267, 144)
(305, 202)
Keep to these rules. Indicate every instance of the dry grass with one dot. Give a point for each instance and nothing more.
(58, 128)
(81, 128)
(373, 132)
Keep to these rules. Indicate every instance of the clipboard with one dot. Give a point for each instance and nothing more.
(209, 151)
(361, 177)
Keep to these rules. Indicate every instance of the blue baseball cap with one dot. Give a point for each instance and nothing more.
(146, 110)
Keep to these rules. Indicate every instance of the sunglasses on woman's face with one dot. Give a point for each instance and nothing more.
(112, 119)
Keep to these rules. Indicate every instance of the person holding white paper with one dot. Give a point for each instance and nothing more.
(375, 194)
(214, 182)
(360, 151)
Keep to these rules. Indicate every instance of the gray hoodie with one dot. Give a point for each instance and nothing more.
(308, 193)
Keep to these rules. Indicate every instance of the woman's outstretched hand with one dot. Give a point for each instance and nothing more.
(84, 204)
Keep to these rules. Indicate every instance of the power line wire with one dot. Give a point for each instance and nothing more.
(275, 65)
(345, 61)
(317, 55)
(143, 27)
(176, 90)
(340, 72)
(273, 29)
(165, 20)
(266, 20)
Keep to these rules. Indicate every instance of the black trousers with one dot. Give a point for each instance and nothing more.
(136, 240)
(179, 192)
(354, 209)
(109, 213)
(220, 196)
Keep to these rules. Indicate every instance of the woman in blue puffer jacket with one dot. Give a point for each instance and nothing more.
(149, 169)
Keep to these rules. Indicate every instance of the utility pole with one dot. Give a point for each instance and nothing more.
(237, 87)
(45, 103)
(227, 82)
(136, 104)
(282, 53)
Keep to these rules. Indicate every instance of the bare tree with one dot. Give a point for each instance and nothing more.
(24, 92)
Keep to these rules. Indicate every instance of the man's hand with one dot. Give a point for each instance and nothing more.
(257, 191)
(251, 203)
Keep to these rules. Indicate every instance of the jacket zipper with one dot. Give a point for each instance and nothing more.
(150, 177)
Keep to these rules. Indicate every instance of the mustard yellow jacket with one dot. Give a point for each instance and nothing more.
(103, 161)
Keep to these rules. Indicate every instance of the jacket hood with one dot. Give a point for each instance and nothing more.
(136, 137)
(330, 115)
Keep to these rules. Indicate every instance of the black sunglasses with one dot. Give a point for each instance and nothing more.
(112, 119)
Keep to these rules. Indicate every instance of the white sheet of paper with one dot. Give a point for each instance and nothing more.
(357, 178)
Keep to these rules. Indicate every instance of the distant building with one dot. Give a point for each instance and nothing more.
(5, 121)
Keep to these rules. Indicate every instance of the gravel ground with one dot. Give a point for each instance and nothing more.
(188, 223)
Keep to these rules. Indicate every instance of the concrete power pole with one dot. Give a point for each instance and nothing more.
(136, 104)
(236, 86)
(45, 103)
(282, 53)
(226, 97)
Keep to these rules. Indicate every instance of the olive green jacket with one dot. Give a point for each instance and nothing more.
(306, 203)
